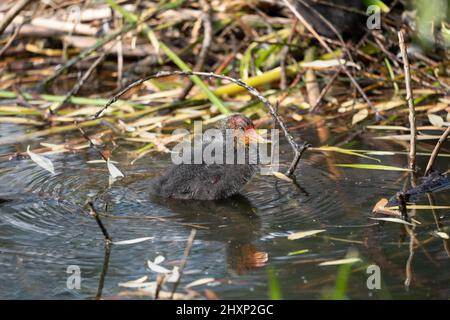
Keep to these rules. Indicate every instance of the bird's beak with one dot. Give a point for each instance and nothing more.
(251, 136)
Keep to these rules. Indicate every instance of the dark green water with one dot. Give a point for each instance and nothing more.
(44, 228)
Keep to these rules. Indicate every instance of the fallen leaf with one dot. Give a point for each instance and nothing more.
(138, 283)
(442, 235)
(174, 275)
(199, 282)
(396, 220)
(298, 252)
(41, 161)
(380, 208)
(303, 234)
(282, 176)
(113, 170)
(157, 268)
(435, 120)
(133, 241)
(360, 116)
(339, 262)
(371, 167)
(159, 259)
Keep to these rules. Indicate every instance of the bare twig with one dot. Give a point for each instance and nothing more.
(12, 13)
(207, 39)
(436, 150)
(105, 266)
(298, 149)
(187, 250)
(409, 99)
(96, 216)
(408, 267)
(324, 91)
(92, 144)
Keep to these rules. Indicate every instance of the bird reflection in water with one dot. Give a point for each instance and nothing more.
(232, 221)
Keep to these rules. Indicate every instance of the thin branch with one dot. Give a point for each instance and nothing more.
(187, 250)
(96, 216)
(298, 149)
(105, 266)
(206, 44)
(92, 144)
(12, 13)
(409, 99)
(325, 90)
(284, 54)
(436, 150)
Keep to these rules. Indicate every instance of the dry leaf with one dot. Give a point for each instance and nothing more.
(133, 241)
(113, 170)
(436, 120)
(303, 234)
(41, 161)
(396, 220)
(442, 235)
(339, 262)
(360, 116)
(157, 268)
(282, 176)
(199, 282)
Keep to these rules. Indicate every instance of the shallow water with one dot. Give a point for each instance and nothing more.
(45, 227)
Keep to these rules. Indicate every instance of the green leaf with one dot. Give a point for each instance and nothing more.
(294, 253)
(274, 285)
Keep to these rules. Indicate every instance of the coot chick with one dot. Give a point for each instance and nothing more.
(212, 181)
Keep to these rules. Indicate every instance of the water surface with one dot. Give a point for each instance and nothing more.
(45, 227)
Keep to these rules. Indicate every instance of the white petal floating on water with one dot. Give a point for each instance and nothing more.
(113, 170)
(159, 259)
(339, 262)
(157, 268)
(41, 161)
(396, 220)
(133, 241)
(175, 275)
(199, 282)
(99, 161)
(134, 283)
(303, 234)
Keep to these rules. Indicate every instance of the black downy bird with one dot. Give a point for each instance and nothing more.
(212, 181)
